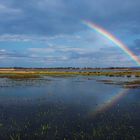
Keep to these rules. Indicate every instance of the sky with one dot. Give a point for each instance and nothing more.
(51, 33)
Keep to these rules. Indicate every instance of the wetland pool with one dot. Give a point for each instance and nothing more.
(68, 108)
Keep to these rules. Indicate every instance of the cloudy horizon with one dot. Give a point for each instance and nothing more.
(50, 33)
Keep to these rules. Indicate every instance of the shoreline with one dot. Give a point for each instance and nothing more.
(110, 73)
(34, 74)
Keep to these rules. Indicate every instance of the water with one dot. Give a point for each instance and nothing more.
(67, 108)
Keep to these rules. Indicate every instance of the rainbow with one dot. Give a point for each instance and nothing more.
(109, 103)
(112, 38)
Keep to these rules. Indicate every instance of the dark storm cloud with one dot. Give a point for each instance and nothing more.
(51, 17)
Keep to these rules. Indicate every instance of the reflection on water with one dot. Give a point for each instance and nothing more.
(68, 108)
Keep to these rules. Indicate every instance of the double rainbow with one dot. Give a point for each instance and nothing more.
(112, 38)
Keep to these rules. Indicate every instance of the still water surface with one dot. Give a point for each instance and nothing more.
(74, 108)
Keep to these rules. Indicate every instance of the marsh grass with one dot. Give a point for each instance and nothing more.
(15, 137)
(132, 84)
(60, 121)
(37, 74)
(63, 122)
(19, 76)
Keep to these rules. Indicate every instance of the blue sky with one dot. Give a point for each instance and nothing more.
(50, 33)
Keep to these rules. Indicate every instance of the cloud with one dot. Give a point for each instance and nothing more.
(54, 33)
(104, 56)
(12, 54)
(62, 49)
(135, 47)
(7, 15)
(62, 56)
(34, 38)
(2, 50)
(137, 42)
(7, 10)
(16, 56)
(48, 17)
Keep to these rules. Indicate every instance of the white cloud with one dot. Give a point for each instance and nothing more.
(2, 50)
(9, 11)
(27, 38)
(63, 49)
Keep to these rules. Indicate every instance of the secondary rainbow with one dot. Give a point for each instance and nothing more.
(112, 38)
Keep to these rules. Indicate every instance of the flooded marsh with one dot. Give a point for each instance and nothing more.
(69, 108)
